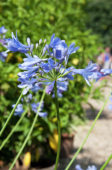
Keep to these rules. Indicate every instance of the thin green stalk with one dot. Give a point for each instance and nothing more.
(11, 114)
(90, 130)
(59, 128)
(14, 128)
(31, 129)
(106, 163)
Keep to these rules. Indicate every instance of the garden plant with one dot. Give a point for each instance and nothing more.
(44, 65)
(45, 70)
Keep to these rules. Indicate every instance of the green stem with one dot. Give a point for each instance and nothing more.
(106, 163)
(59, 128)
(90, 130)
(31, 129)
(11, 114)
(14, 128)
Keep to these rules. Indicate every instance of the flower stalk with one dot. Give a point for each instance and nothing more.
(30, 131)
(59, 127)
(11, 114)
(14, 128)
(106, 163)
(89, 132)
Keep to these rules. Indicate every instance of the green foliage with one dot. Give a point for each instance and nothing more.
(100, 17)
(37, 19)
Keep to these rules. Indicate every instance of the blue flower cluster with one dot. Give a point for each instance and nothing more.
(78, 167)
(50, 66)
(33, 106)
(19, 109)
(3, 54)
(45, 70)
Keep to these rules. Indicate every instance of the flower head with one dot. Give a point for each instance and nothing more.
(44, 70)
(92, 72)
(35, 108)
(19, 109)
(3, 30)
(78, 167)
(3, 55)
(27, 84)
(15, 45)
(92, 167)
(59, 49)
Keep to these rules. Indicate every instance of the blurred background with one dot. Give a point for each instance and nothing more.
(88, 23)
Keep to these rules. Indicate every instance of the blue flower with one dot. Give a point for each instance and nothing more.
(106, 72)
(62, 85)
(92, 167)
(46, 48)
(91, 72)
(78, 167)
(71, 49)
(35, 108)
(110, 105)
(19, 109)
(59, 49)
(3, 30)
(47, 67)
(67, 72)
(30, 73)
(49, 88)
(3, 56)
(37, 86)
(15, 45)
(30, 62)
(54, 41)
(3, 42)
(28, 98)
(27, 84)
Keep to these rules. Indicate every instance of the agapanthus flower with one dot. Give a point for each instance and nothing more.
(28, 98)
(62, 85)
(35, 108)
(3, 30)
(93, 167)
(68, 73)
(15, 45)
(30, 61)
(27, 84)
(78, 167)
(92, 72)
(30, 45)
(28, 74)
(39, 72)
(110, 105)
(106, 72)
(3, 42)
(3, 55)
(47, 67)
(19, 109)
(89, 72)
(59, 49)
